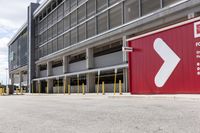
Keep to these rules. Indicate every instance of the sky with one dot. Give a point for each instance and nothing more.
(13, 14)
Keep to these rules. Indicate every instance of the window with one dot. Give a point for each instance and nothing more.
(54, 45)
(54, 16)
(80, 1)
(73, 36)
(115, 16)
(149, 6)
(81, 32)
(91, 8)
(66, 23)
(45, 50)
(50, 22)
(50, 48)
(91, 28)
(73, 4)
(131, 10)
(73, 18)
(45, 23)
(45, 36)
(60, 12)
(60, 42)
(102, 22)
(60, 27)
(82, 13)
(111, 2)
(66, 6)
(169, 2)
(50, 33)
(54, 30)
(102, 4)
(66, 40)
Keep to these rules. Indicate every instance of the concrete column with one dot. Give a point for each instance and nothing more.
(125, 54)
(90, 83)
(89, 58)
(50, 85)
(65, 64)
(125, 80)
(49, 68)
(37, 71)
(20, 80)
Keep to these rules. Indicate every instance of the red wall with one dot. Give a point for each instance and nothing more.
(145, 62)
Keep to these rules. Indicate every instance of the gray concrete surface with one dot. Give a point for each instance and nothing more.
(98, 114)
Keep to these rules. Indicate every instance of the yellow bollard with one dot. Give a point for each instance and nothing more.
(58, 86)
(103, 88)
(83, 88)
(69, 89)
(47, 88)
(98, 85)
(1, 91)
(120, 87)
(115, 83)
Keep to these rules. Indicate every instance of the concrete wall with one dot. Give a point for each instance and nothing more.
(57, 70)
(43, 73)
(77, 66)
(109, 59)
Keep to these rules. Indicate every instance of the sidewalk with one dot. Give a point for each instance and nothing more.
(125, 95)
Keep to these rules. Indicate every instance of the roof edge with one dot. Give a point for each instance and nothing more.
(41, 7)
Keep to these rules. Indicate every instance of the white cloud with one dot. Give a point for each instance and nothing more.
(13, 14)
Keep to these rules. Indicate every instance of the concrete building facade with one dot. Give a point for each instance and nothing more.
(67, 44)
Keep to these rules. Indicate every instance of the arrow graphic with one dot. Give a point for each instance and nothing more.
(170, 59)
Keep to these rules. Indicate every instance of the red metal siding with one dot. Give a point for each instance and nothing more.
(144, 62)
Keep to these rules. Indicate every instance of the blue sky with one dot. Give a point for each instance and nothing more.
(12, 17)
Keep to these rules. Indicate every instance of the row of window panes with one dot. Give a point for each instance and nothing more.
(91, 28)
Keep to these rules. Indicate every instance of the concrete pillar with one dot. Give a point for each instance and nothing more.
(50, 85)
(65, 64)
(20, 80)
(125, 54)
(38, 71)
(125, 80)
(89, 58)
(90, 83)
(49, 68)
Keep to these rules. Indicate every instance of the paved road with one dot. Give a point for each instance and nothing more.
(89, 114)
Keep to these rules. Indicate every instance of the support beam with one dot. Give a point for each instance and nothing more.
(125, 80)
(125, 54)
(49, 68)
(89, 58)
(65, 64)
(90, 77)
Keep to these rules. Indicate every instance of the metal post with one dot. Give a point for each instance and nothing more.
(69, 89)
(83, 88)
(120, 87)
(115, 79)
(78, 83)
(98, 82)
(47, 90)
(58, 85)
(64, 86)
(103, 88)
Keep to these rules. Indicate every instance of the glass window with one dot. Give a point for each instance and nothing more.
(80, 1)
(54, 44)
(81, 32)
(111, 2)
(45, 36)
(91, 4)
(102, 21)
(50, 22)
(131, 10)
(54, 30)
(49, 33)
(73, 4)
(102, 4)
(66, 40)
(60, 12)
(115, 16)
(169, 2)
(91, 28)
(54, 16)
(60, 42)
(73, 18)
(82, 13)
(45, 23)
(74, 36)
(50, 49)
(66, 6)
(149, 6)
(60, 27)
(66, 23)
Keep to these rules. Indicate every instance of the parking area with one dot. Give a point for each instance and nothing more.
(98, 114)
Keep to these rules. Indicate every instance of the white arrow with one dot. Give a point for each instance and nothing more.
(171, 60)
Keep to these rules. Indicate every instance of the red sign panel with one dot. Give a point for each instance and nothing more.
(166, 61)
